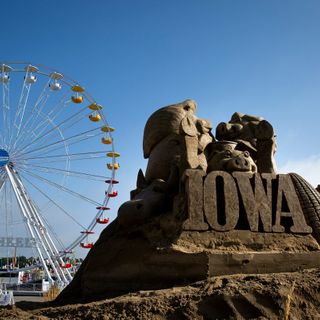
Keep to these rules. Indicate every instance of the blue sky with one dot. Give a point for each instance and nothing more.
(134, 56)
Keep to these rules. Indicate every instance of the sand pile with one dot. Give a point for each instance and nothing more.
(225, 297)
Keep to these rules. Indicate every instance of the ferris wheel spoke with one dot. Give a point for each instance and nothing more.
(70, 173)
(77, 138)
(44, 142)
(23, 100)
(78, 116)
(69, 156)
(64, 145)
(53, 202)
(2, 181)
(6, 109)
(42, 125)
(76, 159)
(35, 111)
(2, 141)
(61, 188)
(55, 127)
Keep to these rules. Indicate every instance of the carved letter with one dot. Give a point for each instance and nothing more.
(286, 189)
(231, 202)
(256, 202)
(194, 190)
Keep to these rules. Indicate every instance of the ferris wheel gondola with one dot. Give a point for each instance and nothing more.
(50, 136)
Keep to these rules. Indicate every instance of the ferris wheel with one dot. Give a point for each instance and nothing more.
(57, 166)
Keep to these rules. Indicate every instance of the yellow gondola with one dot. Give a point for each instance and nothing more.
(107, 129)
(95, 106)
(113, 154)
(77, 88)
(106, 141)
(115, 166)
(77, 99)
(95, 118)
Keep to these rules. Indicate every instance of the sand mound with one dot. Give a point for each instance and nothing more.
(225, 297)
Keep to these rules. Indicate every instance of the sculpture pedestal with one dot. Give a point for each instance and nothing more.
(261, 262)
(241, 251)
(122, 262)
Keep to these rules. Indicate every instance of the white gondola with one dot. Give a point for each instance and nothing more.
(4, 78)
(30, 79)
(55, 86)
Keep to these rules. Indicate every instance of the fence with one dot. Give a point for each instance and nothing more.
(37, 288)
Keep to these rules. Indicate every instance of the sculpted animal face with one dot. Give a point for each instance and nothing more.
(231, 160)
(147, 200)
(245, 128)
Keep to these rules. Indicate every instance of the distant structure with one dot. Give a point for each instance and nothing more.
(207, 205)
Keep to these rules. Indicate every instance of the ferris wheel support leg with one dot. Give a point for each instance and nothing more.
(34, 222)
(40, 230)
(57, 260)
(49, 246)
(45, 245)
(27, 218)
(52, 256)
(2, 183)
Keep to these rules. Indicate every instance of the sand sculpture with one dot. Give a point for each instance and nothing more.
(207, 205)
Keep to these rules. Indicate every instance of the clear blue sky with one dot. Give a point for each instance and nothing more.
(257, 57)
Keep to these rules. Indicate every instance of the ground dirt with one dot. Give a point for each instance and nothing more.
(267, 296)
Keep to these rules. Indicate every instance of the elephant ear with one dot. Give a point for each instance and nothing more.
(188, 126)
(141, 180)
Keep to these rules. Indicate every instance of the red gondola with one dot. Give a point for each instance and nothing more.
(102, 208)
(112, 181)
(86, 246)
(112, 194)
(102, 221)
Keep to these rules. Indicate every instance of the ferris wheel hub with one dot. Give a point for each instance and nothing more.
(4, 157)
